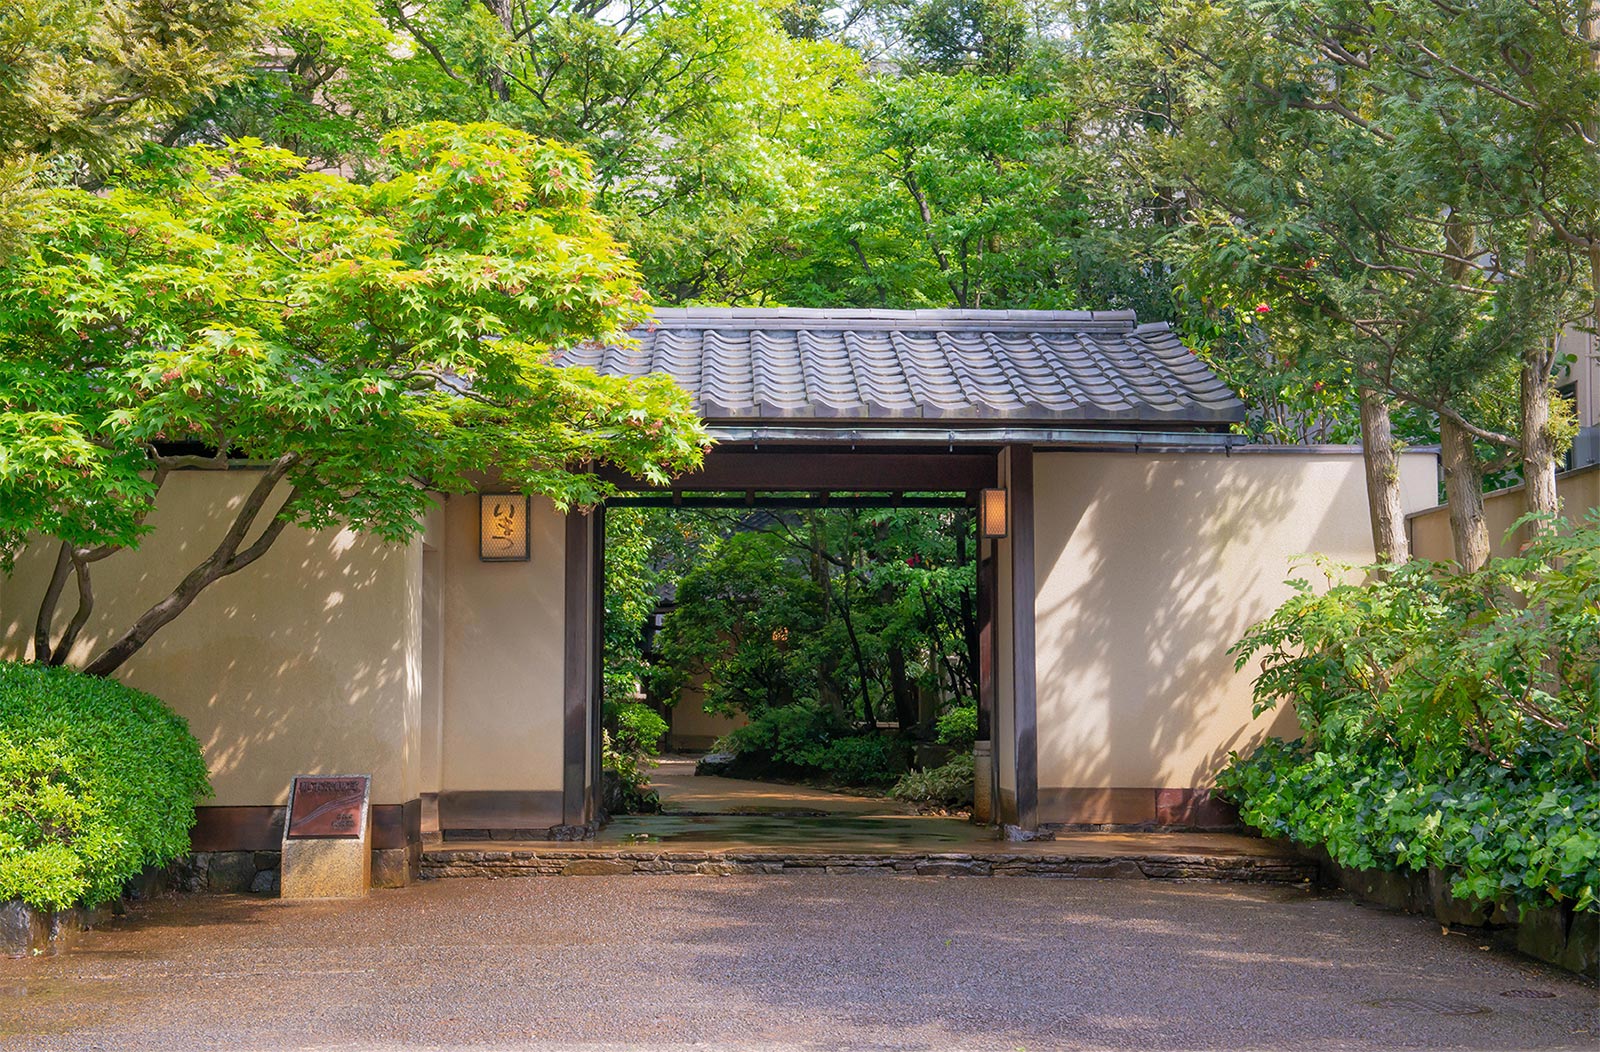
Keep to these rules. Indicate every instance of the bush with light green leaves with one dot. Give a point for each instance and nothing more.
(1451, 720)
(97, 781)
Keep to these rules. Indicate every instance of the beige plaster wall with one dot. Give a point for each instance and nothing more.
(307, 661)
(1148, 568)
(502, 645)
(692, 726)
(1430, 529)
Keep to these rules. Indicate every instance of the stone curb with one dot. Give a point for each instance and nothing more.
(559, 863)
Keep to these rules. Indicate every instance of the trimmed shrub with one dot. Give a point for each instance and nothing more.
(786, 739)
(625, 757)
(97, 781)
(949, 785)
(868, 759)
(958, 728)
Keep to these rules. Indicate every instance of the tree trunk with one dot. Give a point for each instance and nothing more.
(904, 691)
(1538, 446)
(1382, 460)
(501, 9)
(227, 558)
(1463, 487)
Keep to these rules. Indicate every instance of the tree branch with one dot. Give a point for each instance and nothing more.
(225, 559)
(80, 617)
(42, 651)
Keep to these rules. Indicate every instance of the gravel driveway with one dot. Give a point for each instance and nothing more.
(788, 962)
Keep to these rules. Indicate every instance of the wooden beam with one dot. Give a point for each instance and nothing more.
(665, 500)
(774, 471)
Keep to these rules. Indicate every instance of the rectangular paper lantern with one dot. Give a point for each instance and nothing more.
(503, 527)
(992, 513)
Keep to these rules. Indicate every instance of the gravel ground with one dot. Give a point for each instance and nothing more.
(788, 963)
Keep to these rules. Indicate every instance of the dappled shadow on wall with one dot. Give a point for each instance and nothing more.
(300, 663)
(1149, 569)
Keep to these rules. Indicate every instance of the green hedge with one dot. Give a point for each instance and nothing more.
(97, 781)
(1452, 720)
(801, 741)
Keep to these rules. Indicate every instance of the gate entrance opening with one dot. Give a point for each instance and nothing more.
(823, 648)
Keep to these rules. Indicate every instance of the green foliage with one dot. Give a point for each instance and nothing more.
(369, 343)
(97, 781)
(784, 739)
(806, 742)
(304, 316)
(739, 610)
(949, 785)
(639, 729)
(82, 79)
(1450, 720)
(631, 583)
(958, 728)
(854, 612)
(1412, 203)
(632, 735)
(865, 759)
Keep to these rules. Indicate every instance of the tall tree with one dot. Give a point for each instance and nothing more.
(359, 346)
(1365, 167)
(82, 79)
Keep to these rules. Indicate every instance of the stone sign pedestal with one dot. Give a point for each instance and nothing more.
(982, 772)
(327, 840)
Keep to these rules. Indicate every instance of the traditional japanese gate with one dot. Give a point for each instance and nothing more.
(891, 403)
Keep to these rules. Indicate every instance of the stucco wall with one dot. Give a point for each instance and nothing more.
(503, 672)
(1148, 568)
(692, 726)
(307, 661)
(1430, 529)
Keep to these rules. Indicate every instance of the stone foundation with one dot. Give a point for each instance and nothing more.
(26, 931)
(561, 863)
(258, 871)
(1555, 935)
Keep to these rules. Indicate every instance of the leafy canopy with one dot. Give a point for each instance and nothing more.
(369, 342)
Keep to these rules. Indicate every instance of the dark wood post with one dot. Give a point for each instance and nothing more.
(597, 661)
(578, 668)
(1024, 667)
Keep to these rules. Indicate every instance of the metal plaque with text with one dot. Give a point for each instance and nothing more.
(328, 806)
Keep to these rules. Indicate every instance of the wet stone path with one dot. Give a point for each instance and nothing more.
(726, 826)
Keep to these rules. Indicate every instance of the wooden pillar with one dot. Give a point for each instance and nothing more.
(597, 662)
(1024, 667)
(578, 661)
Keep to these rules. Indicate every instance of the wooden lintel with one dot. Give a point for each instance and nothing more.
(771, 472)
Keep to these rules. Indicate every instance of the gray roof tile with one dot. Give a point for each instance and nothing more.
(1042, 368)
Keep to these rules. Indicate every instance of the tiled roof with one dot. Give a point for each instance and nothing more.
(1049, 368)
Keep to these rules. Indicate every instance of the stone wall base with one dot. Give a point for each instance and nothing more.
(1555, 935)
(26, 932)
(556, 862)
(258, 872)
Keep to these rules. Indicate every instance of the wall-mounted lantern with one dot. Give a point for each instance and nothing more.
(503, 527)
(992, 513)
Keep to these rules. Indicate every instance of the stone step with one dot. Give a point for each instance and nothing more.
(565, 862)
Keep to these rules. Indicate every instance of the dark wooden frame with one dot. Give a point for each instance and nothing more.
(844, 471)
(527, 528)
(577, 668)
(818, 473)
